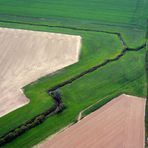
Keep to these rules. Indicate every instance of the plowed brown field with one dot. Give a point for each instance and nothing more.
(26, 56)
(118, 124)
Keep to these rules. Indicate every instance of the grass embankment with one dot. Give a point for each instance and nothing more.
(122, 76)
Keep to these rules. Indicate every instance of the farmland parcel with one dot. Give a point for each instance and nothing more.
(118, 124)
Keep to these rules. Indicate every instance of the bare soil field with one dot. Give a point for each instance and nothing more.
(118, 124)
(25, 56)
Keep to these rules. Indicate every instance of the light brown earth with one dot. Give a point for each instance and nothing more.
(26, 56)
(118, 124)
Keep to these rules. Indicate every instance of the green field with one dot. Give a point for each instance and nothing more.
(128, 12)
(87, 19)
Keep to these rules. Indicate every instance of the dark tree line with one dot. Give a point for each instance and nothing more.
(58, 107)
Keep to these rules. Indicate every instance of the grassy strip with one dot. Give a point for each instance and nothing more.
(60, 26)
(66, 21)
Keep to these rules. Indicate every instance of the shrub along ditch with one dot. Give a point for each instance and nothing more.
(56, 108)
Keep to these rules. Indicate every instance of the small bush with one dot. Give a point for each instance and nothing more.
(9, 137)
(23, 128)
(17, 132)
(41, 118)
(2, 141)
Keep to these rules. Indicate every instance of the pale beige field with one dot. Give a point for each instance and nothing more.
(118, 124)
(26, 56)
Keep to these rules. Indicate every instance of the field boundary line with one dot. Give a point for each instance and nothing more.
(81, 112)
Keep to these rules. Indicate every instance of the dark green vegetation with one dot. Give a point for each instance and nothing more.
(126, 75)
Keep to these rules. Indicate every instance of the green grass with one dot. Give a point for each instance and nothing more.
(122, 76)
(127, 12)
